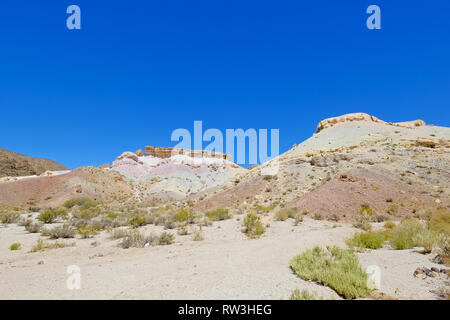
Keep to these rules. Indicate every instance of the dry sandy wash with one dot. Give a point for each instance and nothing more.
(225, 265)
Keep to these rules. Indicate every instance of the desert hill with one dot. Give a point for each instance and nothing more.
(352, 160)
(14, 165)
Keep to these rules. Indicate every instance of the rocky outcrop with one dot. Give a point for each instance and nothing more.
(364, 117)
(163, 153)
(345, 118)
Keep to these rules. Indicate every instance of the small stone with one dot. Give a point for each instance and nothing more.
(41, 262)
(434, 269)
(434, 274)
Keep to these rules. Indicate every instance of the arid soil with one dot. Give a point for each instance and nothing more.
(225, 265)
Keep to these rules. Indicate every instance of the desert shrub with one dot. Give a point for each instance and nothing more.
(136, 221)
(118, 233)
(218, 214)
(253, 227)
(410, 233)
(87, 231)
(285, 213)
(205, 222)
(83, 202)
(389, 225)
(165, 238)
(298, 219)
(33, 227)
(367, 212)
(439, 221)
(9, 217)
(381, 218)
(304, 295)
(334, 267)
(198, 235)
(183, 230)
(52, 214)
(85, 213)
(317, 216)
(42, 245)
(367, 240)
(393, 209)
(184, 215)
(443, 248)
(15, 246)
(64, 231)
(166, 220)
(363, 223)
(135, 239)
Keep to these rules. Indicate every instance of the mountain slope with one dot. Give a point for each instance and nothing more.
(391, 167)
(14, 165)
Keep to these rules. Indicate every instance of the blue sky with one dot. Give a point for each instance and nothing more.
(137, 70)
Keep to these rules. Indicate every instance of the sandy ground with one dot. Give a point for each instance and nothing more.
(226, 265)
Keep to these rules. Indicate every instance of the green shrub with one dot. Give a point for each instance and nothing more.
(52, 214)
(15, 246)
(64, 231)
(367, 212)
(410, 233)
(253, 227)
(439, 221)
(87, 231)
(393, 209)
(165, 239)
(304, 295)
(334, 267)
(9, 217)
(363, 223)
(137, 221)
(184, 215)
(285, 213)
(367, 240)
(218, 214)
(389, 225)
(83, 202)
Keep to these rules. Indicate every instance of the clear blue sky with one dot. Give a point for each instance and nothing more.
(140, 69)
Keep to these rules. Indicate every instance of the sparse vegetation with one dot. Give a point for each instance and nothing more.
(334, 267)
(64, 231)
(198, 235)
(389, 225)
(82, 202)
(218, 214)
(393, 209)
(52, 214)
(9, 217)
(304, 295)
(87, 231)
(253, 227)
(42, 245)
(411, 233)
(15, 246)
(286, 213)
(136, 239)
(367, 240)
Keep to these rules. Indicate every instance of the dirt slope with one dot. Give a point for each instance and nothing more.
(349, 164)
(14, 165)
